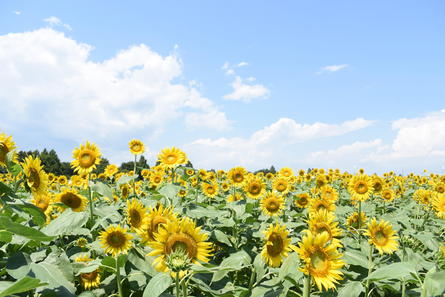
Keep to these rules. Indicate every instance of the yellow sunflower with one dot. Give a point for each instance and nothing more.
(324, 221)
(6, 145)
(381, 235)
(439, 188)
(180, 235)
(155, 218)
(322, 261)
(424, 196)
(225, 186)
(317, 204)
(110, 170)
(377, 183)
(72, 199)
(209, 189)
(63, 180)
(136, 146)
(272, 204)
(86, 157)
(360, 187)
(281, 184)
(277, 245)
(115, 240)
(329, 193)
(387, 194)
(286, 172)
(136, 214)
(125, 190)
(36, 178)
(302, 200)
(156, 179)
(439, 205)
(234, 197)
(237, 176)
(91, 279)
(352, 221)
(172, 157)
(43, 201)
(254, 187)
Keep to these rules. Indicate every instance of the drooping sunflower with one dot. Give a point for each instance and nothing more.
(209, 189)
(276, 246)
(322, 260)
(381, 235)
(324, 221)
(155, 218)
(272, 204)
(115, 240)
(91, 279)
(172, 157)
(360, 187)
(237, 176)
(36, 177)
(254, 187)
(125, 190)
(136, 146)
(6, 145)
(439, 205)
(352, 221)
(180, 235)
(136, 214)
(43, 201)
(281, 184)
(302, 200)
(86, 157)
(72, 199)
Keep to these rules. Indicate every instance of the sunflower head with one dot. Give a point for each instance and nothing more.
(360, 187)
(6, 145)
(281, 184)
(209, 189)
(86, 157)
(381, 235)
(110, 170)
(353, 221)
(276, 246)
(254, 187)
(324, 221)
(286, 172)
(302, 200)
(91, 279)
(156, 217)
(72, 199)
(172, 157)
(317, 204)
(439, 205)
(272, 204)
(234, 197)
(237, 176)
(387, 194)
(115, 240)
(136, 214)
(136, 146)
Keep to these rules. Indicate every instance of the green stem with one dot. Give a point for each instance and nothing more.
(370, 266)
(118, 279)
(307, 286)
(184, 288)
(134, 180)
(359, 221)
(177, 284)
(90, 200)
(252, 278)
(403, 288)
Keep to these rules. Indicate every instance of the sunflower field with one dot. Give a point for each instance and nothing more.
(172, 230)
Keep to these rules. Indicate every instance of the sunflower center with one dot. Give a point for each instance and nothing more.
(116, 239)
(3, 151)
(155, 222)
(272, 206)
(281, 187)
(440, 189)
(34, 178)
(86, 159)
(210, 190)
(302, 201)
(136, 147)
(387, 195)
(91, 276)
(319, 261)
(380, 238)
(182, 241)
(238, 177)
(71, 200)
(323, 227)
(276, 245)
(361, 188)
(171, 159)
(125, 192)
(255, 189)
(377, 186)
(135, 218)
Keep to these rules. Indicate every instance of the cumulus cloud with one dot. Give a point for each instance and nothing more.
(332, 68)
(17, 12)
(271, 145)
(50, 84)
(55, 21)
(246, 92)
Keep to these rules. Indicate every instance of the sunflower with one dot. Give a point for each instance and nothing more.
(136, 214)
(440, 188)
(115, 240)
(381, 235)
(36, 178)
(225, 186)
(86, 157)
(254, 187)
(281, 184)
(317, 204)
(91, 279)
(136, 146)
(352, 220)
(320, 180)
(302, 200)
(172, 157)
(71, 199)
(237, 176)
(272, 204)
(234, 197)
(277, 245)
(125, 190)
(182, 192)
(377, 183)
(423, 196)
(286, 172)
(176, 235)
(360, 187)
(63, 180)
(156, 179)
(321, 260)
(190, 171)
(6, 145)
(324, 221)
(110, 170)
(155, 218)
(439, 205)
(43, 201)
(209, 189)
(329, 193)
(387, 194)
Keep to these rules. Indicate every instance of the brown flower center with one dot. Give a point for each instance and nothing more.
(276, 246)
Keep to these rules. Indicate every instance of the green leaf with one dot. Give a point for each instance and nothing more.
(434, 283)
(5, 236)
(125, 179)
(222, 237)
(38, 216)
(157, 285)
(393, 271)
(235, 261)
(169, 191)
(18, 229)
(351, 289)
(18, 265)
(289, 267)
(4, 189)
(54, 277)
(102, 189)
(25, 284)
(66, 223)
(354, 257)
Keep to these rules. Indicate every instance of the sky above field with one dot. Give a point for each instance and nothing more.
(333, 84)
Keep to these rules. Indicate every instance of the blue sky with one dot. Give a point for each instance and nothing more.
(342, 84)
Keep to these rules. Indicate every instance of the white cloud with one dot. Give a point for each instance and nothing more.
(332, 68)
(55, 21)
(245, 92)
(274, 144)
(17, 12)
(241, 64)
(50, 85)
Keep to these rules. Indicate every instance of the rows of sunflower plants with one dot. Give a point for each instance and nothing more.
(172, 230)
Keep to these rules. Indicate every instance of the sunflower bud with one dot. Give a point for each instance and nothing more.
(81, 242)
(178, 260)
